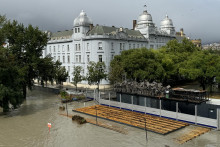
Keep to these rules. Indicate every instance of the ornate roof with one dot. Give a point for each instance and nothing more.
(82, 20)
(144, 18)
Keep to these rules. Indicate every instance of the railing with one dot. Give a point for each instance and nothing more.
(194, 119)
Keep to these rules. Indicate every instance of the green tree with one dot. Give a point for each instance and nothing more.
(96, 72)
(46, 70)
(202, 66)
(10, 80)
(27, 44)
(61, 74)
(77, 77)
(137, 64)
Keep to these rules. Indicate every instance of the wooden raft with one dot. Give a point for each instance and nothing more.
(153, 123)
(192, 134)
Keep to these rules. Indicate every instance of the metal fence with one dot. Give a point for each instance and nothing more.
(153, 107)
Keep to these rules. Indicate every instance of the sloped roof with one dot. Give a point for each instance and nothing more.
(62, 33)
(101, 30)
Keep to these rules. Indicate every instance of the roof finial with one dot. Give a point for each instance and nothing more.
(145, 6)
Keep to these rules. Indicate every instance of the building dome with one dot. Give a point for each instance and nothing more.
(144, 18)
(166, 22)
(82, 20)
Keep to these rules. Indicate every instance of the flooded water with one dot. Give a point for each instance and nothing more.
(27, 126)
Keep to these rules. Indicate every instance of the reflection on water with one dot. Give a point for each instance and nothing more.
(27, 126)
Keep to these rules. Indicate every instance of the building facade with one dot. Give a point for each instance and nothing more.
(85, 42)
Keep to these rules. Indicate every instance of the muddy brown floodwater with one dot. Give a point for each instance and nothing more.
(27, 127)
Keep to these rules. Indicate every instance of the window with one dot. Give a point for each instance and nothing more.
(58, 58)
(78, 58)
(79, 47)
(129, 46)
(63, 49)
(58, 48)
(88, 58)
(112, 46)
(68, 48)
(100, 45)
(54, 49)
(121, 46)
(76, 47)
(63, 59)
(78, 30)
(50, 49)
(138, 46)
(68, 59)
(75, 30)
(100, 58)
(87, 48)
(141, 45)
(133, 46)
(54, 58)
(112, 57)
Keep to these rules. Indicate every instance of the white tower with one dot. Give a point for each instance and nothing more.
(166, 25)
(81, 25)
(145, 24)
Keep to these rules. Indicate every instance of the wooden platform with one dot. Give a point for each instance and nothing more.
(191, 134)
(153, 123)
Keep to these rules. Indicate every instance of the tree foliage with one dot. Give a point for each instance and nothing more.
(96, 72)
(77, 77)
(177, 61)
(21, 61)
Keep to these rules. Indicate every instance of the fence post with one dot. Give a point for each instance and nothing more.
(99, 97)
(195, 114)
(218, 119)
(177, 110)
(145, 104)
(160, 108)
(120, 100)
(132, 102)
(94, 94)
(86, 92)
(109, 96)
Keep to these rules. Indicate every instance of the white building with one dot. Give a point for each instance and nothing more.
(85, 42)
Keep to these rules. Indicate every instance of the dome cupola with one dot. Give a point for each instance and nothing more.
(145, 18)
(166, 23)
(82, 20)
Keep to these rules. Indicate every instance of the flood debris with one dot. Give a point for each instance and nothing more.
(79, 119)
(62, 108)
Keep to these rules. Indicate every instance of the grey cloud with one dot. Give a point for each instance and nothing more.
(199, 18)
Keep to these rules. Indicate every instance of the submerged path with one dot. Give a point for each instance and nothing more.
(153, 123)
(104, 125)
(192, 134)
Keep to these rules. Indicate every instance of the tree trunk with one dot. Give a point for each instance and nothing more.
(5, 104)
(24, 91)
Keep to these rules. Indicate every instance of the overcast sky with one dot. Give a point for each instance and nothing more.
(198, 18)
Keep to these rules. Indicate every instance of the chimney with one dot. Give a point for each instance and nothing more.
(90, 27)
(181, 32)
(134, 24)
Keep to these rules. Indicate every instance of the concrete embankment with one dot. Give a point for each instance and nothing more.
(47, 89)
